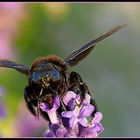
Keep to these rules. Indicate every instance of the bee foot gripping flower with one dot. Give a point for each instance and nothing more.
(78, 121)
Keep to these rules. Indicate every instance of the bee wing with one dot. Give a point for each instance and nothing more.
(80, 54)
(9, 64)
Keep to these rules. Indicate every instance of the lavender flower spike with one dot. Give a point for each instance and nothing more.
(77, 121)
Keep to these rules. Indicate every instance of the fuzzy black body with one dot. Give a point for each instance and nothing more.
(49, 77)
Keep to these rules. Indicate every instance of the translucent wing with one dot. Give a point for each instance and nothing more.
(9, 64)
(80, 54)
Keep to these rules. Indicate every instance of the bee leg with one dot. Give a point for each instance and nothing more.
(32, 104)
(29, 102)
(62, 106)
(79, 87)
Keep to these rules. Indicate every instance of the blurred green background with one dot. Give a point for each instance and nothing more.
(112, 70)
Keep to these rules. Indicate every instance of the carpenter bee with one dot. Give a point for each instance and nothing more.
(49, 76)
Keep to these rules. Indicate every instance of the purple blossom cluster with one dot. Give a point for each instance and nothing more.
(77, 122)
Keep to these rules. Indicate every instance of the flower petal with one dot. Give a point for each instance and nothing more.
(87, 99)
(83, 122)
(98, 128)
(67, 114)
(54, 127)
(53, 116)
(78, 99)
(71, 135)
(86, 111)
(69, 95)
(72, 122)
(89, 132)
(48, 133)
(98, 117)
(71, 104)
(61, 132)
(56, 103)
(44, 107)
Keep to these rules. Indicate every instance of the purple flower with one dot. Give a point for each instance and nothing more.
(79, 114)
(96, 122)
(69, 99)
(51, 112)
(76, 118)
(56, 131)
(93, 129)
(2, 110)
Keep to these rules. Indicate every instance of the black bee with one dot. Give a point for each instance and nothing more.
(49, 76)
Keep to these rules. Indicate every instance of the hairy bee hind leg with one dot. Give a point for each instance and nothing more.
(29, 101)
(61, 101)
(79, 87)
